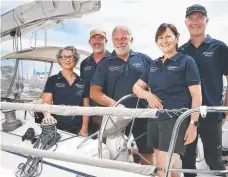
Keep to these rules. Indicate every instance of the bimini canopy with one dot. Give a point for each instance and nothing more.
(40, 14)
(41, 54)
(29, 69)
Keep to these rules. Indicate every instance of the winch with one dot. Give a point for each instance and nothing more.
(11, 122)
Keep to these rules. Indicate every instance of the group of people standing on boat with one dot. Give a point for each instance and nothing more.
(184, 77)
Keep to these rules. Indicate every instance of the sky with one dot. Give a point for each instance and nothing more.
(142, 16)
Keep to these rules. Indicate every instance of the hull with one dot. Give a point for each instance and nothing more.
(68, 144)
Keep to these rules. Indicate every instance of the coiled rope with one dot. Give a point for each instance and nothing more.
(46, 140)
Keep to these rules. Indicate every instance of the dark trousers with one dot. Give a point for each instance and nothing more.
(210, 131)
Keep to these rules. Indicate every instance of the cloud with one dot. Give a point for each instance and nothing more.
(4, 52)
(74, 27)
(28, 43)
(142, 16)
(10, 4)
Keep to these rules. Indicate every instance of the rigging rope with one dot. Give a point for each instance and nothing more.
(46, 140)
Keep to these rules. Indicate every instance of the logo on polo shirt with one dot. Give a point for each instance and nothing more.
(113, 68)
(79, 86)
(137, 65)
(153, 69)
(208, 54)
(60, 85)
(171, 68)
(87, 68)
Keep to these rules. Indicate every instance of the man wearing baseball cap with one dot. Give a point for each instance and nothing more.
(211, 57)
(97, 41)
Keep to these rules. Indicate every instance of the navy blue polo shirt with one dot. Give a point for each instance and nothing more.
(170, 81)
(212, 60)
(64, 94)
(88, 68)
(117, 77)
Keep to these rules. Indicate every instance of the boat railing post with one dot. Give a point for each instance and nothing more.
(104, 123)
(176, 130)
(86, 139)
(174, 137)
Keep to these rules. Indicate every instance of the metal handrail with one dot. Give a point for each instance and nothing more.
(175, 133)
(103, 125)
(86, 139)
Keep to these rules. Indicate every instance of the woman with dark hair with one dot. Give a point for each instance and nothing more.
(67, 88)
(174, 83)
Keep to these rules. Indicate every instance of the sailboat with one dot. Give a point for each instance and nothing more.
(22, 83)
(15, 124)
(23, 79)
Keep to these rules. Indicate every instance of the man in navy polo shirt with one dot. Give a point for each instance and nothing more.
(88, 66)
(115, 77)
(211, 56)
(67, 88)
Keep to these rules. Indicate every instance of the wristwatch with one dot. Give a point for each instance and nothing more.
(196, 123)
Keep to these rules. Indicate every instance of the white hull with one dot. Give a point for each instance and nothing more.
(10, 161)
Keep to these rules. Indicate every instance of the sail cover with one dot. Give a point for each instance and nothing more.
(39, 14)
